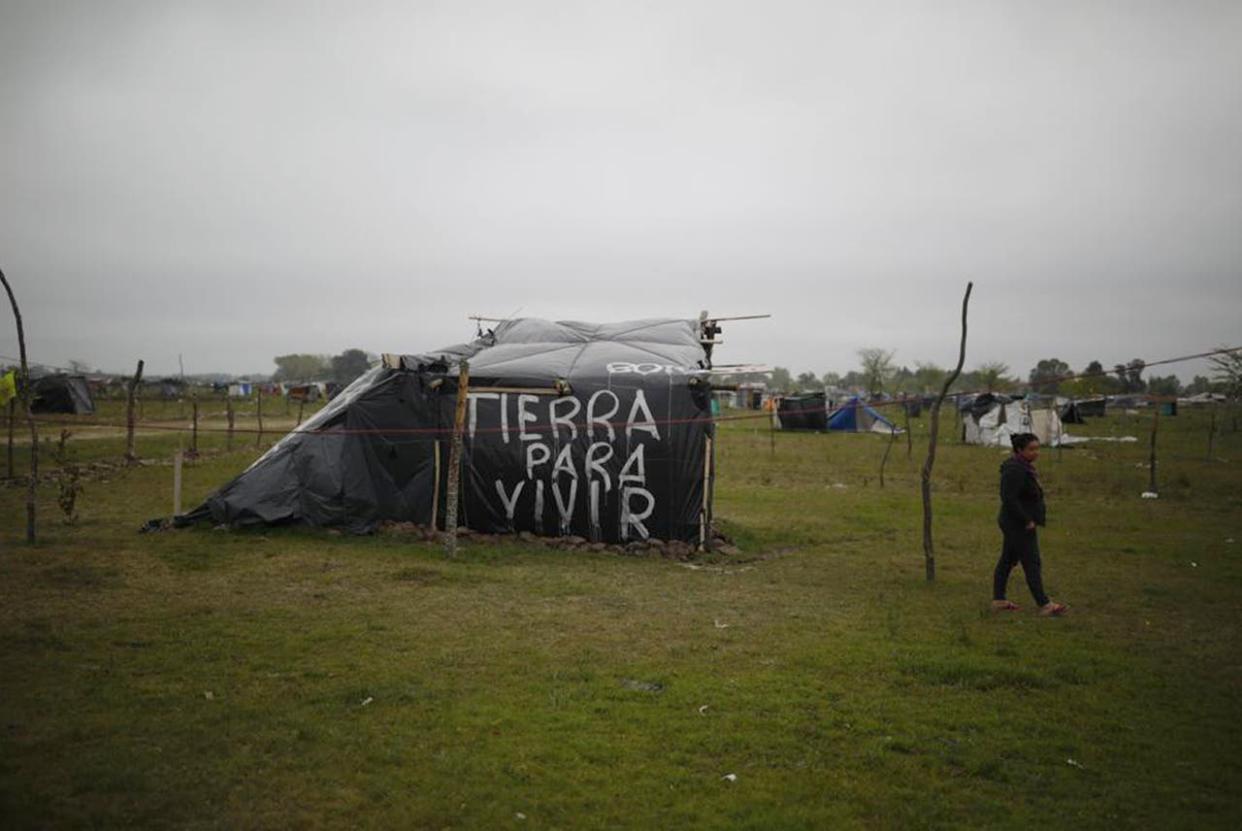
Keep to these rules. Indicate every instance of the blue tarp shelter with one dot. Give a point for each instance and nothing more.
(856, 416)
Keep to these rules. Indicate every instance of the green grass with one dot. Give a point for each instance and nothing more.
(295, 678)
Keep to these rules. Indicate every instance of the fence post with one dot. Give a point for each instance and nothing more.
(177, 483)
(229, 414)
(454, 469)
(130, 456)
(1155, 423)
(258, 436)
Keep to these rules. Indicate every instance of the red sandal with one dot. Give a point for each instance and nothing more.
(1005, 606)
(1054, 610)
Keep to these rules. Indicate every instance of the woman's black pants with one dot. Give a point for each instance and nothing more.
(1020, 547)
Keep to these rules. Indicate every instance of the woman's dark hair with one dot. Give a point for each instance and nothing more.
(1021, 440)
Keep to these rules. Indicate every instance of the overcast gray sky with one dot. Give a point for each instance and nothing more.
(232, 181)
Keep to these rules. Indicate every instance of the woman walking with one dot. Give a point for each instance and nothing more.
(1022, 511)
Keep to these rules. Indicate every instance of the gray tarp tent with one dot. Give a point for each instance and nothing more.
(596, 430)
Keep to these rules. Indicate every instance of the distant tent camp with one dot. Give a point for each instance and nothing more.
(62, 394)
(991, 419)
(596, 430)
(855, 416)
(808, 411)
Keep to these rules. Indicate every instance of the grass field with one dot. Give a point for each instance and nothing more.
(297, 678)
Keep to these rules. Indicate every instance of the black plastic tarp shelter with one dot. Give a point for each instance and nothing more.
(808, 411)
(62, 394)
(1070, 414)
(596, 430)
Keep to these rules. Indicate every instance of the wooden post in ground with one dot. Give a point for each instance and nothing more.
(909, 434)
(1155, 424)
(929, 554)
(454, 469)
(772, 431)
(435, 487)
(705, 518)
(130, 456)
(231, 416)
(12, 419)
(258, 436)
(194, 431)
(24, 391)
(888, 448)
(301, 406)
(177, 483)
(1211, 438)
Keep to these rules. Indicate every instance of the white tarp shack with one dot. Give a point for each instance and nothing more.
(991, 420)
(240, 389)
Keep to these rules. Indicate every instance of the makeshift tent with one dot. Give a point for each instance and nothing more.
(240, 389)
(1091, 407)
(1070, 414)
(856, 416)
(808, 411)
(62, 394)
(992, 419)
(599, 431)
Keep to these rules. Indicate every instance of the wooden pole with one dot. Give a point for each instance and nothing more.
(772, 430)
(231, 416)
(929, 554)
(705, 515)
(301, 406)
(909, 434)
(435, 487)
(177, 483)
(24, 391)
(888, 448)
(194, 431)
(1211, 438)
(1155, 424)
(12, 419)
(454, 469)
(130, 456)
(258, 436)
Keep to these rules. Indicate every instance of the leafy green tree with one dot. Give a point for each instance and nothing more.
(302, 367)
(1166, 387)
(929, 377)
(807, 381)
(349, 365)
(780, 380)
(991, 375)
(1045, 377)
(831, 379)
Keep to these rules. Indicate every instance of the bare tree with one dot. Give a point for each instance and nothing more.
(877, 368)
(929, 555)
(24, 391)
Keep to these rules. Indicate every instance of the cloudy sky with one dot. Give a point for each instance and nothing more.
(231, 181)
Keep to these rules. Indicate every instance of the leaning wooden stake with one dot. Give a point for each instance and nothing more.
(888, 448)
(454, 462)
(909, 434)
(130, 456)
(13, 418)
(231, 416)
(24, 391)
(929, 555)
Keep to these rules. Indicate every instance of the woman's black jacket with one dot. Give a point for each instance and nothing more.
(1022, 498)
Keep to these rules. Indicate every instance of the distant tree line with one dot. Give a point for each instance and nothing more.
(304, 366)
(878, 375)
